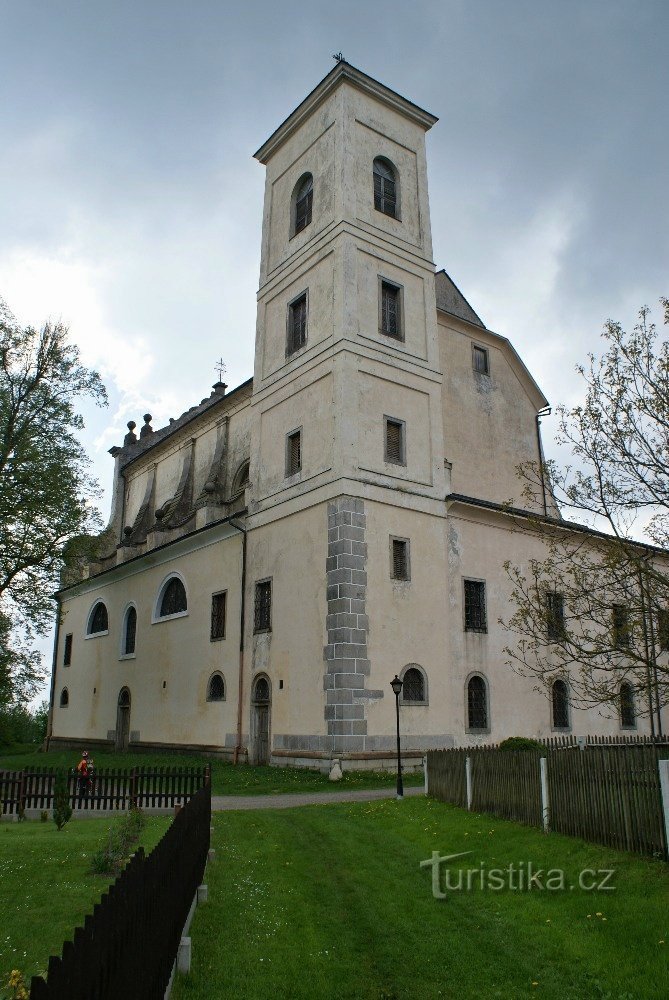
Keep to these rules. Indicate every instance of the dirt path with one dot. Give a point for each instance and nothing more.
(223, 803)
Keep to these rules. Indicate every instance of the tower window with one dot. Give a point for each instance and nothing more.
(480, 360)
(560, 699)
(293, 453)
(390, 309)
(262, 618)
(475, 610)
(395, 445)
(303, 196)
(297, 324)
(218, 603)
(385, 187)
(67, 652)
(399, 559)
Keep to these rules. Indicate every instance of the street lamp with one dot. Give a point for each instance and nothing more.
(397, 685)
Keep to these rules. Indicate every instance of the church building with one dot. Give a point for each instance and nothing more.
(278, 553)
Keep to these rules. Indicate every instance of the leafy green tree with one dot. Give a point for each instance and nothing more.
(595, 607)
(45, 487)
(62, 810)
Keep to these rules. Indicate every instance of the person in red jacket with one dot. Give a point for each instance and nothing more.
(83, 772)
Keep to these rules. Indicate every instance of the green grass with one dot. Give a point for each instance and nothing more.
(226, 779)
(46, 888)
(330, 902)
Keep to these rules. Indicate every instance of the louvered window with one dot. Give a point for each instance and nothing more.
(475, 611)
(218, 602)
(130, 632)
(394, 442)
(555, 616)
(480, 360)
(560, 696)
(390, 310)
(627, 714)
(297, 324)
(262, 619)
(293, 453)
(385, 188)
(400, 559)
(67, 652)
(477, 704)
(303, 200)
(414, 685)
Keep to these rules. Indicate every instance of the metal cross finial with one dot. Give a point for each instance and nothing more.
(338, 57)
(221, 368)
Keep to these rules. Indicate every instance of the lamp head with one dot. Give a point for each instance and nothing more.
(397, 685)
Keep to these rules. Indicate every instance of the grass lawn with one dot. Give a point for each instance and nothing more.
(330, 902)
(226, 778)
(46, 888)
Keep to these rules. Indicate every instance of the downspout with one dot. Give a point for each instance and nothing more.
(49, 726)
(545, 412)
(242, 611)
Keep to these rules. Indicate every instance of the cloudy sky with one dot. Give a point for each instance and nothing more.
(130, 205)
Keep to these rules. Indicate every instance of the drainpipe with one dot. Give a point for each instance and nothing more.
(240, 684)
(545, 412)
(49, 725)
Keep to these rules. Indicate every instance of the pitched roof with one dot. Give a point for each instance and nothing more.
(451, 300)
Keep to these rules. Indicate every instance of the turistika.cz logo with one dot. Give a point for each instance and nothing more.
(518, 876)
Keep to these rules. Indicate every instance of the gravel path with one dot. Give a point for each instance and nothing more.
(224, 803)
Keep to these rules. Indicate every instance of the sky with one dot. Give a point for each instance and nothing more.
(131, 206)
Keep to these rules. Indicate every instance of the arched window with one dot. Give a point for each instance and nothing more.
(302, 201)
(129, 632)
(477, 703)
(385, 187)
(627, 714)
(216, 688)
(172, 599)
(414, 688)
(98, 620)
(560, 699)
(241, 479)
(261, 690)
(64, 698)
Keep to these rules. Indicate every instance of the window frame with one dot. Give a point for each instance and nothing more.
(67, 649)
(621, 630)
(237, 489)
(555, 728)
(291, 351)
(124, 633)
(486, 353)
(399, 336)
(216, 701)
(294, 231)
(224, 595)
(261, 630)
(407, 558)
(156, 617)
(426, 695)
(387, 419)
(396, 214)
(296, 432)
(556, 630)
(477, 730)
(627, 725)
(64, 693)
(89, 621)
(474, 630)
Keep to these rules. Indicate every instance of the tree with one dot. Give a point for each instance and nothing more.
(594, 607)
(62, 810)
(45, 486)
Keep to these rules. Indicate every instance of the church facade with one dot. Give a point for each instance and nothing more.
(280, 551)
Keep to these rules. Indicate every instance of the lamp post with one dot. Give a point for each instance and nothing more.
(397, 685)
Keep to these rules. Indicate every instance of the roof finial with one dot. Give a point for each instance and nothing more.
(221, 368)
(338, 57)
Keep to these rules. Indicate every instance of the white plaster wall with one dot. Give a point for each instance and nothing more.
(383, 393)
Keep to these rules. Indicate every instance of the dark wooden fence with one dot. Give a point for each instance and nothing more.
(604, 792)
(109, 788)
(127, 946)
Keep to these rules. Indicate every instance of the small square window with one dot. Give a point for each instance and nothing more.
(475, 610)
(390, 309)
(394, 444)
(262, 618)
(480, 360)
(293, 453)
(67, 652)
(218, 608)
(399, 559)
(297, 324)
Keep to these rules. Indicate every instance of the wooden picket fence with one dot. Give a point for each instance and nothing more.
(108, 789)
(604, 792)
(128, 945)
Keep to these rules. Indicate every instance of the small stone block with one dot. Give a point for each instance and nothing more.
(184, 955)
(211, 854)
(202, 894)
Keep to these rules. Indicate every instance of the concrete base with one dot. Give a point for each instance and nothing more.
(314, 760)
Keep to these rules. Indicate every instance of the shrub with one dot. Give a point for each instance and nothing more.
(62, 811)
(121, 835)
(522, 743)
(44, 816)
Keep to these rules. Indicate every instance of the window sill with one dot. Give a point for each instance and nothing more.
(413, 704)
(217, 638)
(476, 631)
(399, 337)
(477, 732)
(215, 701)
(629, 729)
(262, 631)
(169, 618)
(96, 635)
(128, 656)
(561, 729)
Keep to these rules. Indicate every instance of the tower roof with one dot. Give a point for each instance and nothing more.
(343, 71)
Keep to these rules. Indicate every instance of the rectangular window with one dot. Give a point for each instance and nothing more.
(620, 626)
(67, 652)
(555, 616)
(399, 559)
(297, 324)
(218, 606)
(475, 615)
(390, 309)
(663, 628)
(293, 452)
(262, 618)
(480, 360)
(395, 450)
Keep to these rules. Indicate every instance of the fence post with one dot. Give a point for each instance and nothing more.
(663, 766)
(468, 778)
(425, 774)
(545, 813)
